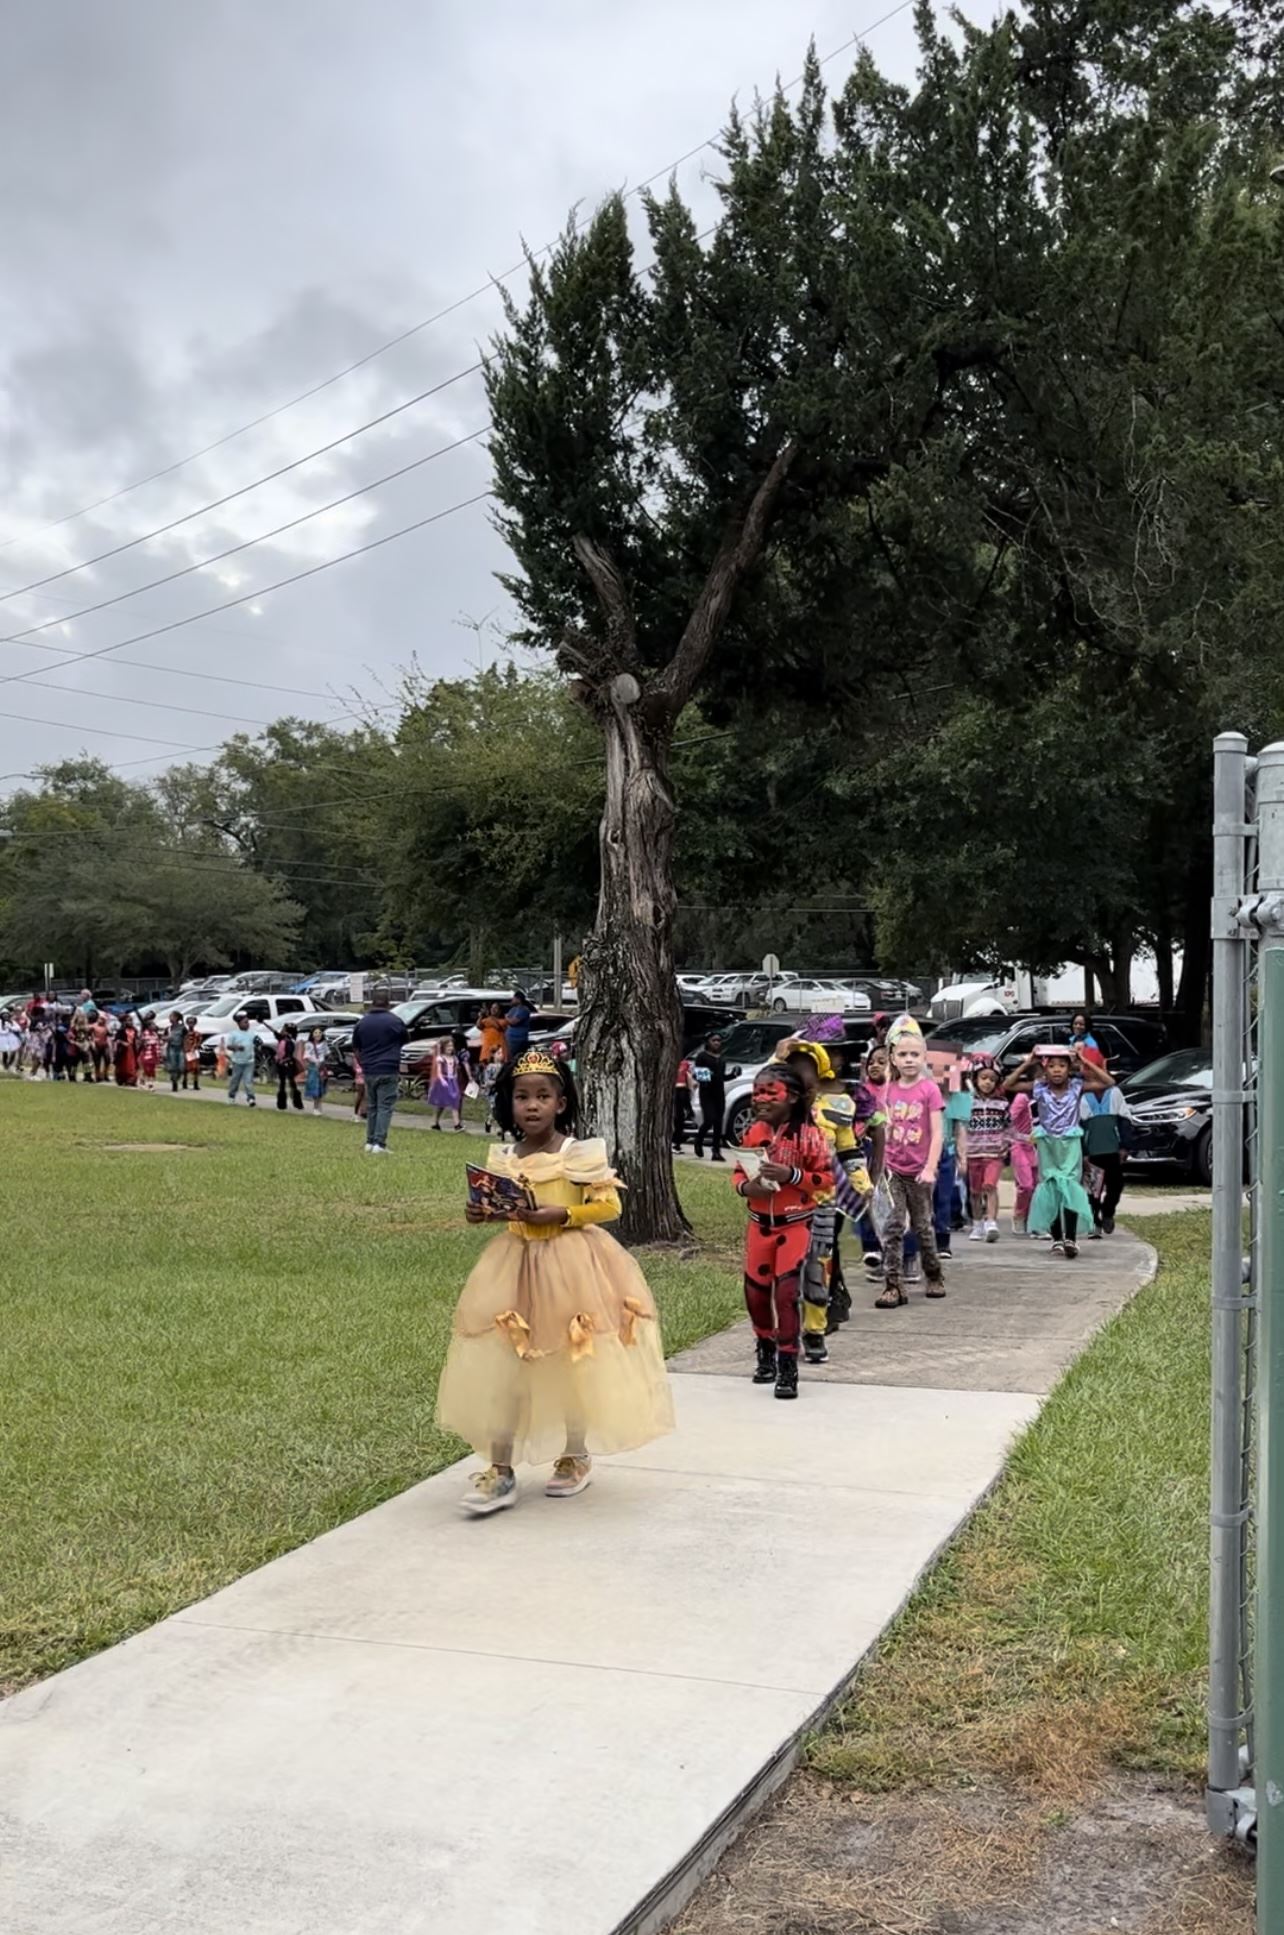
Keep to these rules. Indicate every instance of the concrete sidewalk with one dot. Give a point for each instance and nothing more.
(548, 1723)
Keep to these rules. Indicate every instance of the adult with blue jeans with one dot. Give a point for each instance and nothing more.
(241, 1048)
(517, 1036)
(377, 1041)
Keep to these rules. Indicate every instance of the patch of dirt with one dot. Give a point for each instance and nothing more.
(150, 1148)
(1132, 1857)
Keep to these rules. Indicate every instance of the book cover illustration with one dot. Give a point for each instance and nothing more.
(497, 1195)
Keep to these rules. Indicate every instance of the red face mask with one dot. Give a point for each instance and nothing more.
(771, 1091)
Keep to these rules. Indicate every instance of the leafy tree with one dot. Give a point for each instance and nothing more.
(675, 451)
(487, 838)
(95, 878)
(299, 805)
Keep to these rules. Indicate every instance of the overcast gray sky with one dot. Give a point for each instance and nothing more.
(207, 210)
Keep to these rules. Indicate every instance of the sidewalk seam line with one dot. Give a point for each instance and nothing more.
(472, 1652)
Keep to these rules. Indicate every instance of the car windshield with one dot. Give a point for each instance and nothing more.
(1184, 1068)
(982, 1033)
(410, 1010)
(227, 1006)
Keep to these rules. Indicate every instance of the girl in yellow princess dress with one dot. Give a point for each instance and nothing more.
(555, 1351)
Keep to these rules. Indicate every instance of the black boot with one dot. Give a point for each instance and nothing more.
(787, 1377)
(766, 1371)
(815, 1349)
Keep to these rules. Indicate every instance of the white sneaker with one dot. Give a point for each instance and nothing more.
(490, 1491)
(991, 1232)
(977, 1233)
(1018, 1229)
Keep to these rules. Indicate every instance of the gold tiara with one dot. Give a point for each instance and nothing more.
(535, 1062)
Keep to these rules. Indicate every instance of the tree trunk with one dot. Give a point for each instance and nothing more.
(629, 1033)
(1196, 946)
(1164, 966)
(1096, 970)
(1121, 968)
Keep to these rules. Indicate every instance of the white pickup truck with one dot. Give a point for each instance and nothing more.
(274, 1009)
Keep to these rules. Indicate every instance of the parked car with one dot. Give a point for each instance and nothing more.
(891, 996)
(748, 1046)
(1171, 1105)
(1128, 1042)
(272, 1008)
(807, 996)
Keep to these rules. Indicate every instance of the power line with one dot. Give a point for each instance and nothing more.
(248, 597)
(233, 550)
(243, 490)
(426, 322)
(180, 672)
(154, 705)
(100, 732)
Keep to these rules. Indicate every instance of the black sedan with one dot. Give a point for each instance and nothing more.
(1171, 1104)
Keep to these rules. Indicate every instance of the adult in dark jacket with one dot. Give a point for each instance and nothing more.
(378, 1040)
(711, 1085)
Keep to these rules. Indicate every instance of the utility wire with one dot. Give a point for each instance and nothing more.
(248, 597)
(426, 322)
(243, 490)
(153, 705)
(246, 544)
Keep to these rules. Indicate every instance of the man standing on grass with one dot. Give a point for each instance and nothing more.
(377, 1042)
(241, 1048)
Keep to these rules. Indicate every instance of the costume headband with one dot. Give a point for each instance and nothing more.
(813, 1051)
(535, 1062)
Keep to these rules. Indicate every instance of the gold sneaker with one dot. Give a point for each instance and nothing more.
(570, 1477)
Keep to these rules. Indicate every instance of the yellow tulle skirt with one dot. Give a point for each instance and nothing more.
(555, 1343)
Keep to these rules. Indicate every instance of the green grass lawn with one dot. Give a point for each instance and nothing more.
(214, 1351)
(1066, 1628)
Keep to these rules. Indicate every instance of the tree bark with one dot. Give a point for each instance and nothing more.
(630, 1030)
(1164, 966)
(1121, 968)
(1192, 989)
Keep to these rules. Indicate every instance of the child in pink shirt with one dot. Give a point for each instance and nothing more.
(1025, 1163)
(915, 1132)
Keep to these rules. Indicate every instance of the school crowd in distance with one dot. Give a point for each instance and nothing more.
(906, 1159)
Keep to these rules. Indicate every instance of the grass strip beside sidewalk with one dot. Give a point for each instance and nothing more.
(220, 1335)
(1066, 1629)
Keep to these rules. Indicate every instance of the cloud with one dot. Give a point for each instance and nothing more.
(208, 210)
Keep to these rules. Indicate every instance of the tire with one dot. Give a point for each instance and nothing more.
(1201, 1164)
(779, 1006)
(738, 1121)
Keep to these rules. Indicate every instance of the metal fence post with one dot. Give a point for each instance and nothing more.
(1225, 1721)
(1269, 1670)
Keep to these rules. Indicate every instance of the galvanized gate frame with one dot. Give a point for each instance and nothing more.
(1245, 1794)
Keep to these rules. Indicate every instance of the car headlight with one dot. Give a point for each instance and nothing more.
(1159, 1118)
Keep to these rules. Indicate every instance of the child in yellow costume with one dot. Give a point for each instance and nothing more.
(556, 1349)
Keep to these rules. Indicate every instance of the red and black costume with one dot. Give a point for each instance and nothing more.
(779, 1234)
